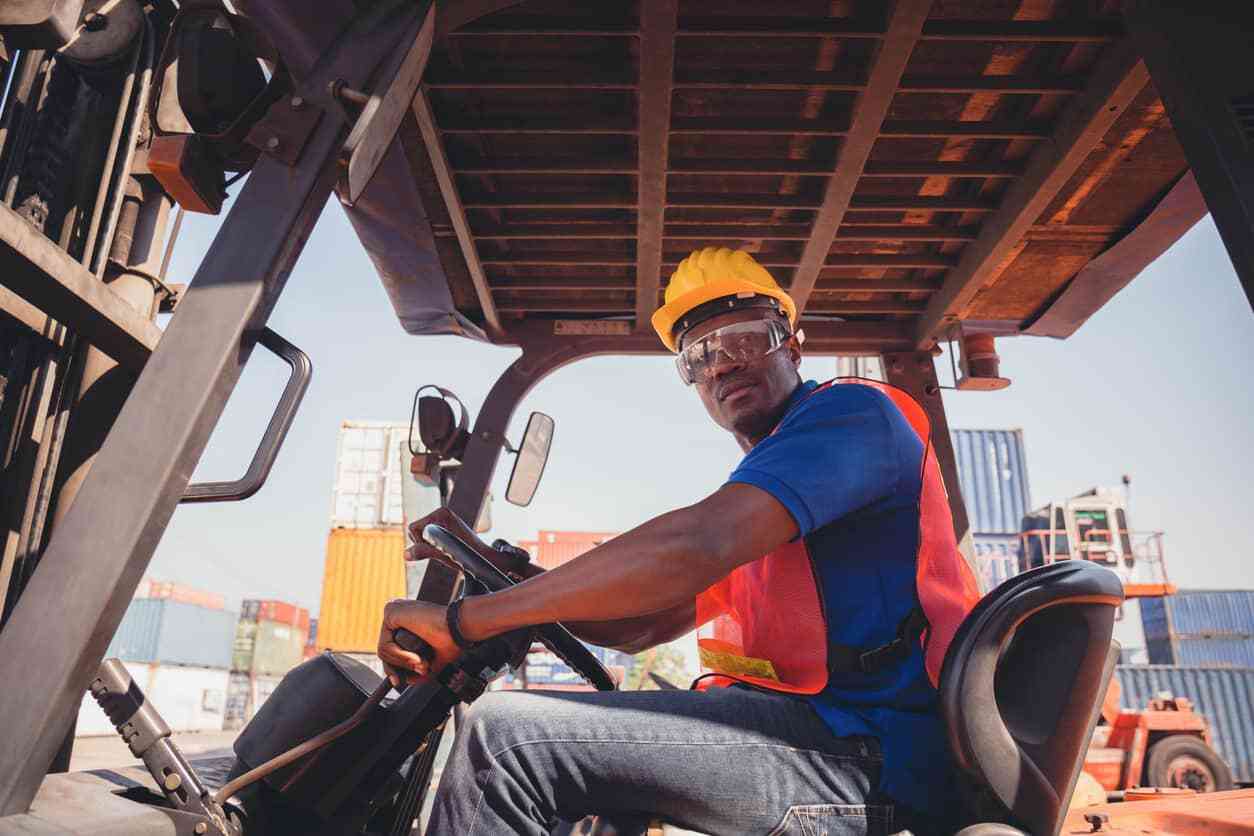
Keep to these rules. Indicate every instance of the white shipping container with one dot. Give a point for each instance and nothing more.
(395, 475)
(188, 699)
(369, 660)
(263, 687)
(371, 460)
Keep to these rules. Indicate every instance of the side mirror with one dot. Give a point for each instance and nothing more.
(439, 430)
(532, 456)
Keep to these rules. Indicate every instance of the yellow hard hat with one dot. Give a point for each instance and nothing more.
(713, 273)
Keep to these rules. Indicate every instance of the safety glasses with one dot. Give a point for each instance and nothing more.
(739, 343)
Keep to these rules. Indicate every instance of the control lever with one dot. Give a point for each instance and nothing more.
(413, 643)
(148, 736)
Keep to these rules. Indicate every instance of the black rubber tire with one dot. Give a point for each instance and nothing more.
(1179, 752)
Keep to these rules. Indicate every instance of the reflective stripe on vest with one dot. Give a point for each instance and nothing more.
(764, 623)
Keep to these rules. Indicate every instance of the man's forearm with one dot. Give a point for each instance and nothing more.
(632, 635)
(660, 566)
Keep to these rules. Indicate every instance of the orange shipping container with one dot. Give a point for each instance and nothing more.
(149, 588)
(365, 568)
(553, 548)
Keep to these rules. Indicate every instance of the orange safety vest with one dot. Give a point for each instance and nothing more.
(764, 624)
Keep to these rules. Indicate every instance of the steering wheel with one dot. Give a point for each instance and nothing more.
(554, 636)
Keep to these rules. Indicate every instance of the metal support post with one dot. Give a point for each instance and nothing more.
(103, 384)
(915, 372)
(103, 545)
(1198, 55)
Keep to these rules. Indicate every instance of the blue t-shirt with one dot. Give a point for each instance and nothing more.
(846, 464)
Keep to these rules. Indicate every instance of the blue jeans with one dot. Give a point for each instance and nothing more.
(729, 760)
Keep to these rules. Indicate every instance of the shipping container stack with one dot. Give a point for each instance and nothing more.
(311, 641)
(1199, 644)
(176, 643)
(1201, 627)
(270, 639)
(365, 556)
(993, 475)
(543, 670)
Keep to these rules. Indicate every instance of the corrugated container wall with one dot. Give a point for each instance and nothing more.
(1224, 696)
(170, 632)
(1200, 627)
(553, 548)
(365, 568)
(368, 471)
(262, 688)
(997, 557)
(239, 694)
(1215, 652)
(993, 474)
(1201, 612)
(244, 645)
(278, 648)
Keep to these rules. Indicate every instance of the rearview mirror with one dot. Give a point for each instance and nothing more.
(532, 456)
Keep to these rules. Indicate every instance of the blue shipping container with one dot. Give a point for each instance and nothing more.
(171, 632)
(1200, 612)
(1200, 627)
(993, 476)
(1224, 696)
(1213, 652)
(996, 557)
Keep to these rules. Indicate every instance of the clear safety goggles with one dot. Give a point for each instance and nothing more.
(739, 343)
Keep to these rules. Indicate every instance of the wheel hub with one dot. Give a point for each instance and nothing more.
(1190, 773)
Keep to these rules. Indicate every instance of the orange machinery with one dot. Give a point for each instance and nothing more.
(1165, 745)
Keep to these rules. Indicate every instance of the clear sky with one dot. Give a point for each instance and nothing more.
(1156, 386)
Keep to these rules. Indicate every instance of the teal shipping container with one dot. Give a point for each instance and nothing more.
(278, 648)
(170, 632)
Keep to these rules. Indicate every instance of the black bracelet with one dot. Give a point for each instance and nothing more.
(452, 618)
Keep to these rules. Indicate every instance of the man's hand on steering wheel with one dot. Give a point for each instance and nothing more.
(513, 562)
(422, 550)
(427, 621)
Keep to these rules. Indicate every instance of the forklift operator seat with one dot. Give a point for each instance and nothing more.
(1020, 692)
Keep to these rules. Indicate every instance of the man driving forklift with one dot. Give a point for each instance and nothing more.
(823, 575)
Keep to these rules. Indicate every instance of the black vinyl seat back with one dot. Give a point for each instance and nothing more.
(1021, 688)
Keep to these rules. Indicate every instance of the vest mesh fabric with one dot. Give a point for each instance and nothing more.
(770, 610)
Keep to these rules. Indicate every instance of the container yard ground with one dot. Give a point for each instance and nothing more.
(104, 752)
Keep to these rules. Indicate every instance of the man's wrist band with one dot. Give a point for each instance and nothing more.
(452, 618)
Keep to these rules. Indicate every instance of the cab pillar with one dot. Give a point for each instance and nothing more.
(915, 372)
(483, 451)
(1198, 55)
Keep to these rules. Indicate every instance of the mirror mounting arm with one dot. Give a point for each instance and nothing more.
(491, 436)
